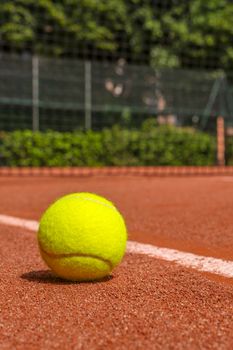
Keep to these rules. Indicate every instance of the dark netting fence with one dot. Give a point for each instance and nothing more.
(61, 94)
(73, 65)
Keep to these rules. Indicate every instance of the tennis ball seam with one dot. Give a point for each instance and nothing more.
(94, 201)
(80, 238)
(77, 255)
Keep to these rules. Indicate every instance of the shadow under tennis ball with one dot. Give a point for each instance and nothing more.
(46, 276)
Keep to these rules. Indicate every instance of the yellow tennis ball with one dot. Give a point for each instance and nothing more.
(82, 237)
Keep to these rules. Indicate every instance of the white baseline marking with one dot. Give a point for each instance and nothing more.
(226, 179)
(23, 223)
(198, 262)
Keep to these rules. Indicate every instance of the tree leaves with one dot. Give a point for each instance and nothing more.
(193, 33)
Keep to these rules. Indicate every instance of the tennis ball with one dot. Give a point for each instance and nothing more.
(82, 237)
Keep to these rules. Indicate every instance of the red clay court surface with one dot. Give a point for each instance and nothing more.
(147, 303)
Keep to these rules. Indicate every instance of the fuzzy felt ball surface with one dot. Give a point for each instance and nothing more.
(82, 237)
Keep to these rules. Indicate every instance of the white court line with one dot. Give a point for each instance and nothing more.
(197, 262)
(23, 223)
(226, 179)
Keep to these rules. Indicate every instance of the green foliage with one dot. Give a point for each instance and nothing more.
(58, 27)
(229, 150)
(17, 23)
(166, 145)
(198, 29)
(162, 33)
(152, 145)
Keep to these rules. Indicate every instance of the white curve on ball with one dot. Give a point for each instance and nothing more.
(76, 255)
(201, 263)
(91, 200)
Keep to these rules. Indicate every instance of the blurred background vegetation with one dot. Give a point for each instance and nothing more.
(153, 32)
(79, 73)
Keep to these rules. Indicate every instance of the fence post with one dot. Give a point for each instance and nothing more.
(88, 95)
(220, 141)
(35, 93)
